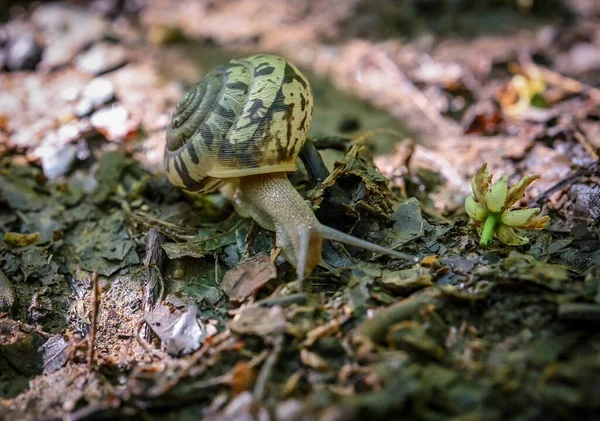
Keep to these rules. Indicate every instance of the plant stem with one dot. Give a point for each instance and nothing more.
(488, 229)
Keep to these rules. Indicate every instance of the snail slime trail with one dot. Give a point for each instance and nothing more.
(241, 128)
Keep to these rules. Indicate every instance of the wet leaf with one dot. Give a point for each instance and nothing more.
(7, 294)
(248, 277)
(17, 239)
(177, 326)
(108, 174)
(19, 188)
(313, 360)
(55, 354)
(260, 321)
(37, 263)
(201, 246)
(104, 246)
(409, 221)
(410, 335)
(403, 281)
(525, 267)
(242, 377)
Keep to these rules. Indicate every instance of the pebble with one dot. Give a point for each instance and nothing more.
(84, 107)
(69, 29)
(23, 53)
(113, 122)
(57, 161)
(98, 92)
(57, 152)
(103, 57)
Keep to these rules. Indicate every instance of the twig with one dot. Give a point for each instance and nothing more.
(147, 345)
(267, 369)
(586, 145)
(225, 379)
(283, 301)
(376, 327)
(563, 82)
(155, 287)
(398, 78)
(567, 182)
(95, 307)
(190, 362)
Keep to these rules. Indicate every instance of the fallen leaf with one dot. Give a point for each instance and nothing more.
(248, 277)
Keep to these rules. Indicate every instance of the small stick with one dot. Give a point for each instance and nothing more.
(586, 145)
(154, 290)
(377, 326)
(96, 306)
(267, 369)
(564, 82)
(283, 301)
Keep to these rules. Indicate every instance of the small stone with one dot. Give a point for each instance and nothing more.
(70, 93)
(57, 161)
(114, 122)
(84, 107)
(68, 29)
(23, 53)
(99, 91)
(102, 58)
(57, 151)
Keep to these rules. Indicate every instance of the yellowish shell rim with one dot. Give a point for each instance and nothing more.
(242, 172)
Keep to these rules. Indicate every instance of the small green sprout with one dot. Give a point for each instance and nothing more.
(489, 206)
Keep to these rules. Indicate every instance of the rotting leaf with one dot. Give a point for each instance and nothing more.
(411, 335)
(260, 321)
(409, 221)
(313, 360)
(525, 267)
(36, 262)
(248, 277)
(19, 345)
(7, 294)
(354, 186)
(17, 239)
(108, 174)
(242, 376)
(325, 330)
(54, 354)
(104, 246)
(403, 281)
(177, 326)
(19, 188)
(204, 291)
(200, 247)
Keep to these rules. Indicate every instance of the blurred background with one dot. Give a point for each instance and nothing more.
(453, 83)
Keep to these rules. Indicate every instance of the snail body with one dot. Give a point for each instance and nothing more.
(241, 129)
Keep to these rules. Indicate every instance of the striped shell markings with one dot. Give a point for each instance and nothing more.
(248, 117)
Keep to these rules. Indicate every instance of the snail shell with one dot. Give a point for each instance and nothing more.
(248, 117)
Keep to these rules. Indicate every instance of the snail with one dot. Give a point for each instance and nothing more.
(241, 129)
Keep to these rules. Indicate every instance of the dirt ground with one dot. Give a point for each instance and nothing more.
(121, 297)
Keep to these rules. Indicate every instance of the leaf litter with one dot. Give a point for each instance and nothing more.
(466, 332)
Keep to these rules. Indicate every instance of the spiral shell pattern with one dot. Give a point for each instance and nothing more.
(248, 117)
